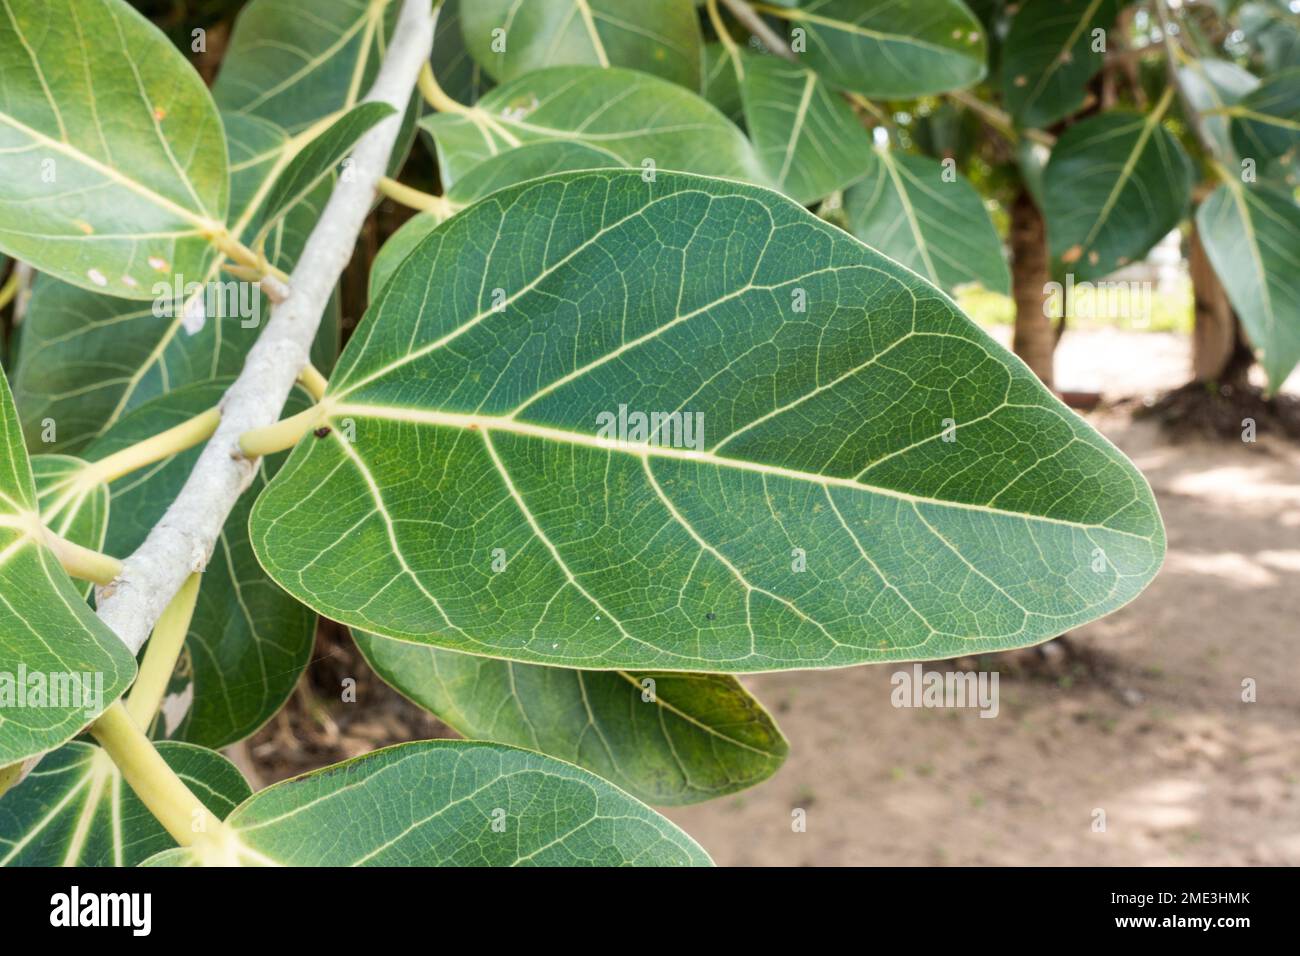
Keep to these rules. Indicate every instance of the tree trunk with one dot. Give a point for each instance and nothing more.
(1220, 352)
(1034, 339)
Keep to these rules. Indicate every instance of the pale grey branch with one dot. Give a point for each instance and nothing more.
(183, 539)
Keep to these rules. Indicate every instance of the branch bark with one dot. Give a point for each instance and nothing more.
(183, 539)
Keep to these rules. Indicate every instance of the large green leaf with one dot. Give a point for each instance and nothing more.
(654, 120)
(530, 161)
(115, 162)
(1049, 55)
(472, 413)
(1266, 121)
(248, 641)
(808, 139)
(1252, 236)
(50, 641)
(450, 803)
(1116, 185)
(666, 738)
(77, 811)
(509, 38)
(885, 48)
(933, 223)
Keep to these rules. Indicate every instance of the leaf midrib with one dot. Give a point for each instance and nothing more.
(847, 26)
(203, 224)
(335, 412)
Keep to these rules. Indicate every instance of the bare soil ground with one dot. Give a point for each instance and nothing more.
(1139, 715)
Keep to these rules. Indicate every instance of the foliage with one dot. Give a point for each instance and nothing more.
(665, 387)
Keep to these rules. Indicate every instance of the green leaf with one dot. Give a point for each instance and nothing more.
(530, 161)
(292, 69)
(826, 375)
(1266, 121)
(457, 73)
(47, 633)
(941, 229)
(316, 161)
(1116, 184)
(77, 513)
(248, 641)
(89, 359)
(887, 49)
(77, 811)
(1049, 57)
(808, 139)
(109, 206)
(666, 738)
(1252, 236)
(435, 802)
(655, 120)
(510, 39)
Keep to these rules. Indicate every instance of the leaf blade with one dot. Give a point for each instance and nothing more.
(433, 803)
(669, 739)
(656, 36)
(655, 120)
(888, 50)
(530, 439)
(46, 629)
(1252, 234)
(107, 208)
(907, 208)
(79, 812)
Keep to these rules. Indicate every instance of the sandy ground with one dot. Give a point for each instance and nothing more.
(1141, 717)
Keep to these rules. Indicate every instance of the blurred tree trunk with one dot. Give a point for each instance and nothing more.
(1034, 339)
(1220, 352)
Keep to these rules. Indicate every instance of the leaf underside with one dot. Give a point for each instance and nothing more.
(808, 139)
(826, 377)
